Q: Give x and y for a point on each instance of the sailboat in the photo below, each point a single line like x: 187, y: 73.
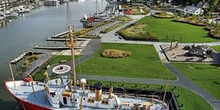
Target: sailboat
x: 97, y: 17
x: 63, y: 93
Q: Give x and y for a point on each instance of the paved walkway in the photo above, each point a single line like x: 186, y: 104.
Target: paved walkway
x: 181, y: 81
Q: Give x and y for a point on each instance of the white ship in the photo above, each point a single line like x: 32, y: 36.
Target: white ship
x: 60, y: 94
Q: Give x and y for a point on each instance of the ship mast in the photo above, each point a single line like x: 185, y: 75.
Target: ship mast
x: 12, y: 75
x: 164, y: 96
x: 72, y: 43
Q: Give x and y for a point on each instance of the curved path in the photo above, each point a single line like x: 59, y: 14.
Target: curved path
x: 181, y: 81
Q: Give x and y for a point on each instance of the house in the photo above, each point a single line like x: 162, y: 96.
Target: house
x: 193, y: 10
x: 6, y: 4
x: 203, y: 4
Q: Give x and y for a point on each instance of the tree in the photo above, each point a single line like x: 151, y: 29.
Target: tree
x: 213, y: 2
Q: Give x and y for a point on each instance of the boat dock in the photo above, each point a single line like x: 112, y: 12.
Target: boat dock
x: 21, y: 56
x: 65, y: 39
x: 60, y: 34
x: 55, y: 47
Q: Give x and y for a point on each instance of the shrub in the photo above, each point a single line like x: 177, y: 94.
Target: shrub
x: 114, y: 53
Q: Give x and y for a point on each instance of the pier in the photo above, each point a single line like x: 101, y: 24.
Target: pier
x: 59, y: 35
x: 22, y: 56
x: 55, y: 47
x: 65, y: 39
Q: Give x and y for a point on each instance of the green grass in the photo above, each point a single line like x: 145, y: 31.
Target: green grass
x: 58, y: 58
x: 189, y: 99
x: 122, y: 18
x: 205, y: 75
x: 143, y: 63
x: 55, y: 59
x: 216, y: 48
x: 167, y: 30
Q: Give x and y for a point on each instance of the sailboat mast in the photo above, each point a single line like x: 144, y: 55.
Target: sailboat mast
x: 72, y: 45
x: 164, y: 96
x: 96, y: 5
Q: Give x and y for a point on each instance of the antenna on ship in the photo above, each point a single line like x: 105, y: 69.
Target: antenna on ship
x: 47, y: 78
x: 72, y: 43
x: 12, y: 74
x: 32, y: 82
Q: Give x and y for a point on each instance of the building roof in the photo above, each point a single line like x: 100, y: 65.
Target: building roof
x: 191, y: 8
x: 203, y: 4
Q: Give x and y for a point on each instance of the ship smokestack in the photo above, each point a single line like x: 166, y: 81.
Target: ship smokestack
x: 147, y: 105
x: 110, y: 92
x: 83, y: 83
x: 137, y: 106
x: 98, y: 91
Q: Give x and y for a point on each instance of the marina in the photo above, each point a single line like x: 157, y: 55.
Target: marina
x: 42, y: 25
x: 63, y: 92
x: 63, y: 87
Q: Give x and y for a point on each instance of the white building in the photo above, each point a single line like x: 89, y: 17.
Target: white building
x: 193, y: 10
x: 203, y: 4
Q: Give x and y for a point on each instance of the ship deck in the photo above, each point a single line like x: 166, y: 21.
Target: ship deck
x: 38, y: 97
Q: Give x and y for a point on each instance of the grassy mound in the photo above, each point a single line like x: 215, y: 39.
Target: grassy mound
x: 163, y: 15
x: 115, y: 53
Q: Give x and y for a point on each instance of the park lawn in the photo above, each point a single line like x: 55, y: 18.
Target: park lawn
x: 187, y: 98
x: 216, y: 48
x: 168, y: 30
x: 190, y: 100
x: 143, y: 63
x: 58, y: 58
x: 39, y: 76
x: 205, y: 75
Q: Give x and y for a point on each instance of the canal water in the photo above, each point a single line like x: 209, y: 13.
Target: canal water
x: 21, y: 33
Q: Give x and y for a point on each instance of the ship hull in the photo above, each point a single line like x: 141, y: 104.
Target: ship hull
x: 29, y: 106
x: 25, y: 104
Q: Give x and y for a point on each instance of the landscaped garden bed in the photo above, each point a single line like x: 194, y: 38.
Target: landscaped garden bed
x: 163, y: 15
x: 113, y: 27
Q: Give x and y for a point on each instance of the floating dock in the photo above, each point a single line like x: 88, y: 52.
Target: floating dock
x: 60, y: 34
x: 55, y: 47
x: 64, y: 39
